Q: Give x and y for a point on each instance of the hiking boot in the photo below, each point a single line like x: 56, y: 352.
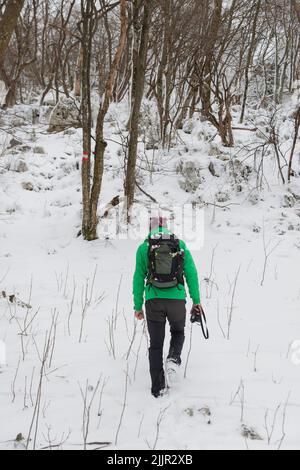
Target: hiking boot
x: 159, y: 387
x: 174, y: 356
x: 172, y: 371
x: 160, y: 393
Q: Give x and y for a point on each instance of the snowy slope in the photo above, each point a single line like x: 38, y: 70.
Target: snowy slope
x: 229, y: 382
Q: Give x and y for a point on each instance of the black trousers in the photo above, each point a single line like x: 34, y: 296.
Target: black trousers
x: 157, y: 312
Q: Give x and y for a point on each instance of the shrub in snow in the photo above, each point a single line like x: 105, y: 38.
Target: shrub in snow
x: 39, y: 150
x: 20, y: 438
x: 250, y: 433
x: 149, y: 126
x: 254, y: 198
x: 205, y: 411
x: 239, y: 171
x: 199, y: 200
x: 256, y: 228
x: 239, y: 174
x: 61, y: 203
x: 69, y: 132
x: 295, y: 98
x: 14, y: 162
x: 190, y: 176
x: 222, y: 196
x: 11, y: 298
x: 65, y: 114
x: 44, y: 114
x: 12, y: 207
x: 288, y: 201
x: 190, y: 412
x: 294, y: 189
x: 18, y: 116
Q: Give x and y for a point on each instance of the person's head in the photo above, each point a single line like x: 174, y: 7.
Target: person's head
x: 158, y: 222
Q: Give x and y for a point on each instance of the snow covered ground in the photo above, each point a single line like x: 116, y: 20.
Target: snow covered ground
x: 246, y: 375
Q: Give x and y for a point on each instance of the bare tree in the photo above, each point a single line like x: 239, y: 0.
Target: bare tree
x: 140, y: 48
x: 296, y: 7
x: 250, y: 58
x: 26, y: 38
x: 296, y: 117
x: 8, y: 22
x: 91, y: 193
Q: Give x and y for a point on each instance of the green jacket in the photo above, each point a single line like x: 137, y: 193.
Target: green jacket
x: 178, y: 292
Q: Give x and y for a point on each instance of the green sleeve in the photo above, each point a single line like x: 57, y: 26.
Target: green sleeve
x: 139, y: 277
x: 191, y: 275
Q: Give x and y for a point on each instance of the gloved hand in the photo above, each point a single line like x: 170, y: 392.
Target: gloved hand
x: 196, y: 313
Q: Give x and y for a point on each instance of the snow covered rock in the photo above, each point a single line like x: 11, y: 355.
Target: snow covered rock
x: 14, y: 143
x: 188, y: 126
x: 190, y: 176
x: 239, y: 171
x: 39, y: 150
x: 45, y: 114
x: 64, y: 115
x: 214, y: 150
x: 216, y: 169
x: 15, y: 163
x: 27, y: 186
x: 254, y: 198
x: 18, y: 116
x: 294, y: 189
x: 21, y: 167
x: 223, y: 157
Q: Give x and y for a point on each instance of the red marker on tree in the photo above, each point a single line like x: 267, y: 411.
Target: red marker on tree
x: 85, y: 157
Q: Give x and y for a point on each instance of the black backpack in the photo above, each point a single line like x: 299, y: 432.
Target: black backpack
x: 165, y: 261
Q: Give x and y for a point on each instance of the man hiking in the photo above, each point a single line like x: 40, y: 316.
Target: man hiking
x: 162, y: 263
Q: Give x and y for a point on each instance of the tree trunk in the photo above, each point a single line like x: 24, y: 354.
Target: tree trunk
x: 138, y: 82
x: 160, y: 92
x: 90, y: 232
x: 249, y: 60
x: 78, y: 73
x: 11, y: 95
x: 208, y: 65
x: 8, y: 23
x: 296, y: 7
x: 86, y: 45
x: 296, y: 133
